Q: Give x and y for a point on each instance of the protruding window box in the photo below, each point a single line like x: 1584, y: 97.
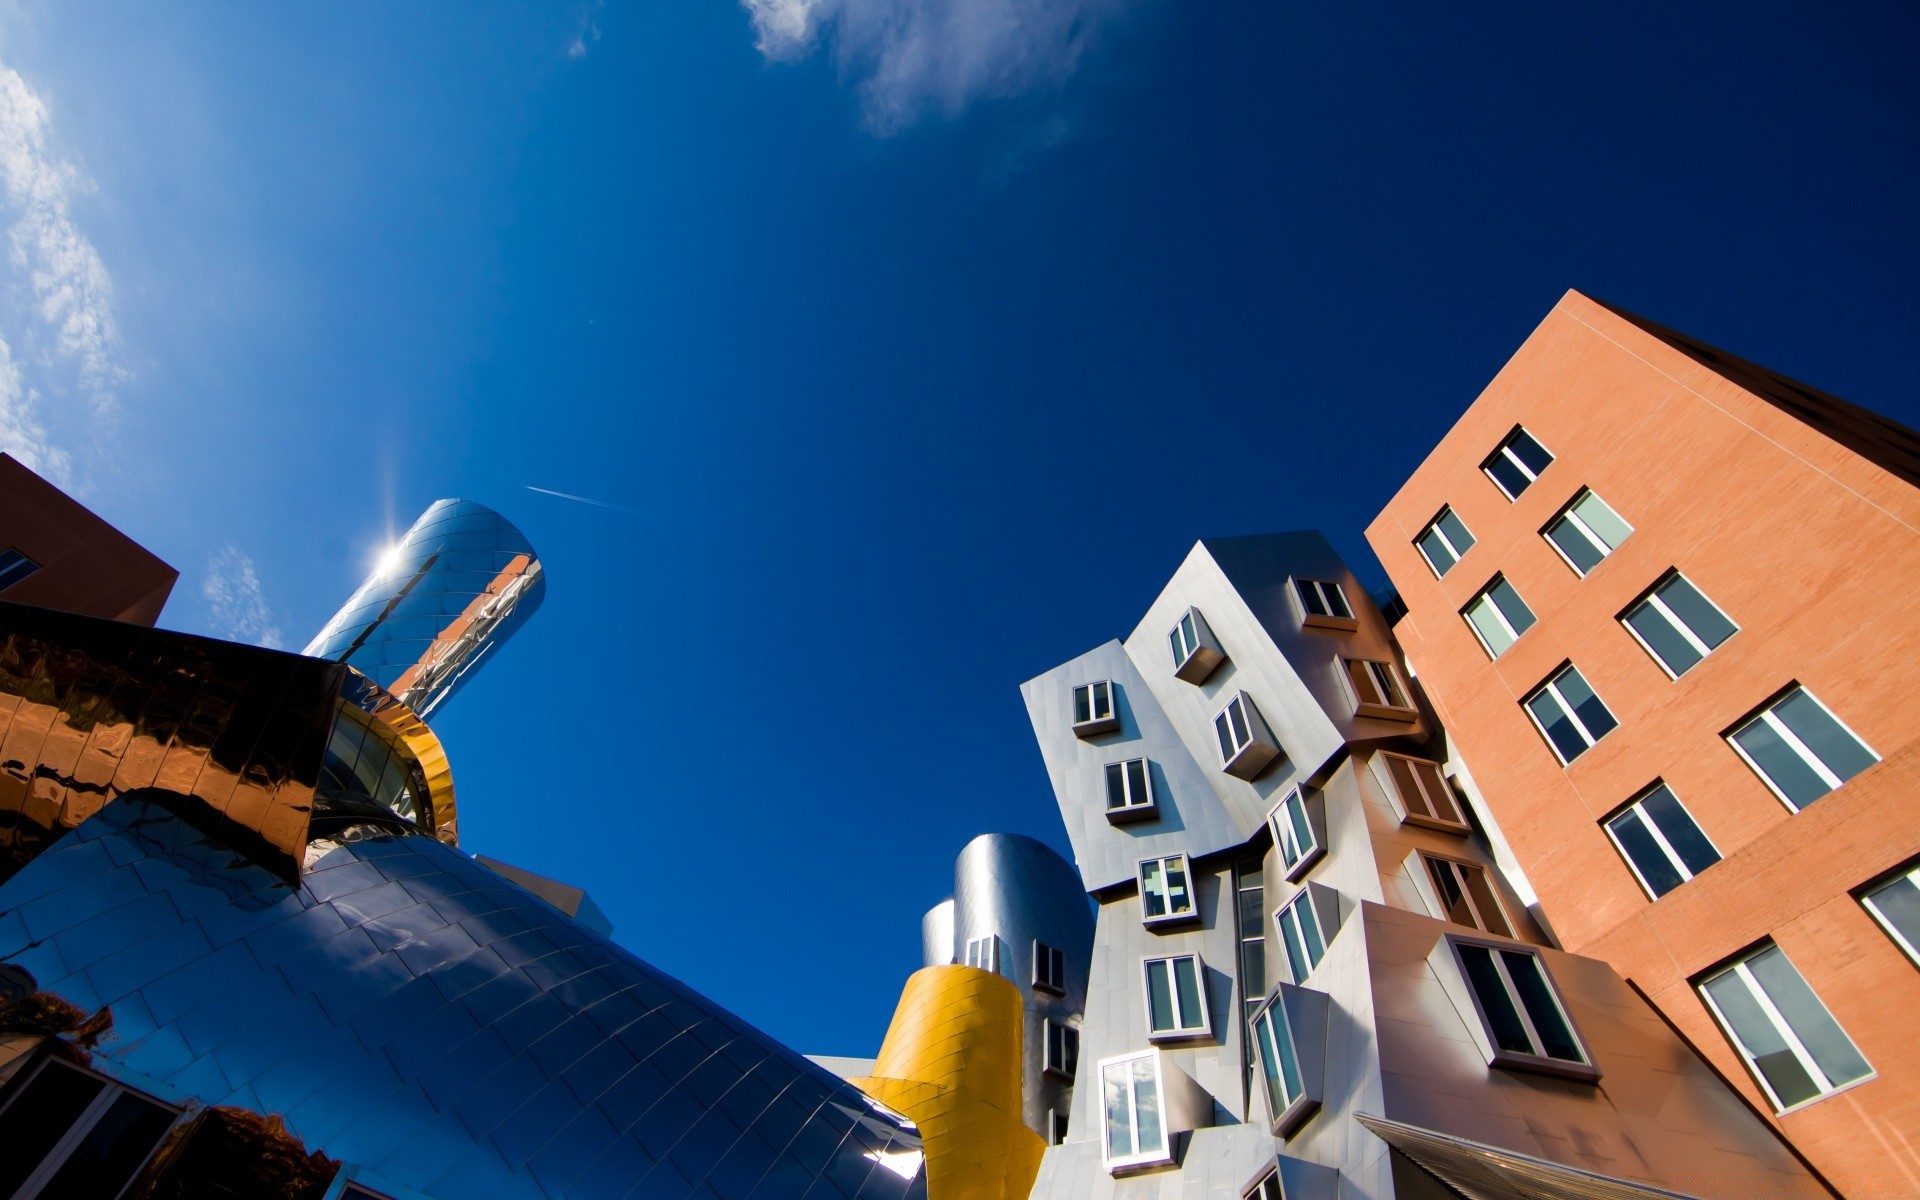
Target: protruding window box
x: 1130, y: 793
x: 1289, y: 1053
x: 1167, y: 897
x: 1094, y: 711
x: 1196, y: 652
x: 1148, y: 1102
x: 1322, y: 604
x: 1420, y: 793
x: 1522, y: 1023
x: 1299, y: 827
x: 1247, y: 746
x: 1176, y: 996
x: 1377, y: 690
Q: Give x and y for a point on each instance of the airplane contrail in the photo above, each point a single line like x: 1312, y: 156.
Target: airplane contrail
x: 580, y: 499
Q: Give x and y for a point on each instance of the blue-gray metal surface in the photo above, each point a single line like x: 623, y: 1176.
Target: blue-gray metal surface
x: 411, y: 1012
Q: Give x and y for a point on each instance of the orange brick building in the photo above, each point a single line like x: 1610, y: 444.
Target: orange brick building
x: 1663, y: 600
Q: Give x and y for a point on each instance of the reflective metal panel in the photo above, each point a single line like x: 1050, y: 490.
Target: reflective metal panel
x: 454, y: 588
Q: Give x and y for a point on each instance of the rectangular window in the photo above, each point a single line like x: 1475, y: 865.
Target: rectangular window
x: 1377, y: 690
x: 1246, y: 744
x: 1443, y: 542
x: 1131, y: 1097
x: 1661, y: 841
x: 1176, y: 997
x: 1166, y: 890
x: 1677, y: 625
x: 1093, y: 709
x: 15, y: 566
x: 1569, y: 715
x: 1586, y: 531
x: 1268, y: 1188
x: 1057, y: 1123
x: 1130, y: 787
x: 1195, y: 650
x: 1278, y: 1060
x: 1517, y: 463
x: 1498, y: 616
x: 1425, y: 799
x: 1250, y: 887
x: 1294, y: 836
x: 1789, y: 1040
x: 984, y: 952
x: 1896, y: 905
x: 1063, y: 1049
x: 1800, y: 749
x: 1185, y: 639
x: 69, y: 1132
x: 1301, y: 936
x: 1049, y: 967
x: 1466, y: 894
x: 1518, y: 1005
x: 1324, y: 603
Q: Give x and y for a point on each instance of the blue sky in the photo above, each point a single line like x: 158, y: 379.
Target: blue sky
x: 918, y: 340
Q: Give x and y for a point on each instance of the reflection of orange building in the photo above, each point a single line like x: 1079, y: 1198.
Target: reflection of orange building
x: 1738, y: 731
x: 56, y: 554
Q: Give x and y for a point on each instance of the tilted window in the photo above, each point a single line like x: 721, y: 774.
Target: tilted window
x: 1677, y: 625
x: 15, y: 566
x: 1568, y: 713
x: 1518, y: 1006
x: 1267, y: 1187
x: 1324, y: 603
x: 1444, y: 541
x: 1176, y: 997
x: 1129, y: 789
x: 1800, y: 749
x: 1049, y: 967
x: 69, y: 1132
x: 1465, y: 894
x: 1247, y: 746
x: 1421, y: 788
x: 1132, y: 1099
x: 1661, y: 841
x: 1278, y: 1059
x: 1093, y: 711
x: 1895, y: 903
x: 1585, y: 532
x: 1302, y: 937
x: 1498, y: 616
x: 1063, y: 1049
x: 1166, y: 890
x: 1789, y: 1040
x: 1195, y: 650
x: 1517, y: 463
x: 1377, y: 690
x: 1298, y: 832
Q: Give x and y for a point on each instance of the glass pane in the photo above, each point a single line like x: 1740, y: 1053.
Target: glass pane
x: 1593, y: 714
x: 1102, y: 699
x: 1898, y: 904
x: 1297, y: 963
x: 1530, y: 452
x: 1757, y: 1037
x: 1226, y: 737
x: 1511, y: 607
x: 1403, y: 782
x: 1488, y: 626
x: 1666, y: 642
x: 1456, y: 531
x: 1708, y: 623
x: 1151, y: 888
x: 1336, y: 600
x: 1253, y: 968
x: 1114, y: 1084
x: 1179, y: 899
x: 105, y: 1160
x: 1116, y: 786
x: 1452, y: 899
x: 1530, y: 980
x: 1583, y: 554
x: 1252, y: 900
x: 1676, y: 825
x: 1781, y: 764
x: 1237, y: 716
x: 1388, y: 684
x: 1438, y: 556
x: 1363, y: 684
x: 1610, y: 529
x: 40, y: 1116
x: 1137, y: 792
x: 1186, y: 976
x: 1082, y: 705
x: 1310, y: 599
x: 1480, y: 890
x: 1297, y: 818
x: 1630, y: 832
x: 1179, y: 648
x: 1146, y: 1107
x: 1809, y: 1019
x: 1566, y: 738
x: 1503, y: 1020
x: 1159, y: 998
x: 1310, y: 932
x: 1439, y: 795
x: 1508, y: 475
x: 1839, y: 750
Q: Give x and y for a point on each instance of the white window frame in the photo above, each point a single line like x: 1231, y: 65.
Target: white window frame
x: 1330, y: 596
x: 1185, y: 639
x: 1659, y: 836
x: 1267, y: 1187
x: 1505, y: 450
x: 1452, y: 820
x: 1583, y: 1067
x: 1485, y: 596
x: 1296, y: 858
x: 1651, y: 597
x: 1433, y: 526
x: 1286, y: 1111
x: 1183, y: 1028
x: 1134, y: 804
x: 1108, y: 719
x: 1236, y: 707
x: 1782, y: 1027
x: 984, y: 953
x: 1585, y: 530
x: 1793, y: 743
x: 1049, y: 968
x: 1059, y: 1124
x: 1301, y: 902
x: 82, y: 1124
x: 1910, y: 875
x: 1552, y: 686
x: 1170, y: 917
x: 1460, y: 866
x: 1140, y: 1156
x: 1059, y: 1055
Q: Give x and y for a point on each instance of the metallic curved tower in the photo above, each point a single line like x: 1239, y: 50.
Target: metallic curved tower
x: 456, y: 586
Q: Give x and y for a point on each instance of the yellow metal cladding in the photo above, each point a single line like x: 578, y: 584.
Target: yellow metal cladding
x: 952, y: 1062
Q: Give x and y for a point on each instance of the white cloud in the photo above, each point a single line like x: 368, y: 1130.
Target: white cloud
x: 588, y: 31
x: 21, y: 433
x: 236, y: 603
x: 916, y: 57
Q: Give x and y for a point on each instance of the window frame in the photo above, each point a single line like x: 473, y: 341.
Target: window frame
x: 1551, y: 684
x: 1455, y: 824
x: 60, y: 1153
x: 1139, y: 1157
x: 1427, y: 858
x: 991, y: 942
x: 1054, y: 977
x: 1267, y: 1187
x: 1283, y: 832
x: 1687, y: 874
x: 1170, y: 917
x: 1195, y: 663
x: 1909, y: 872
x: 1059, y: 1056
x: 1738, y: 965
x: 1686, y: 632
x: 1096, y: 723
x: 1501, y: 1057
x: 1283, y: 1118
x: 1793, y: 742
x: 1301, y: 901
x: 10, y: 569
x: 1566, y: 513
x: 1383, y: 710
x: 1182, y: 1031
x: 1338, y: 616
x: 1485, y: 596
x: 1133, y: 810
x: 1504, y: 449
x: 1252, y: 756
x: 1433, y: 526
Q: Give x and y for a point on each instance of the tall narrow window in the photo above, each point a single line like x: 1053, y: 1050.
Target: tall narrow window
x: 1195, y: 652
x: 1166, y: 890
x: 1466, y: 894
x: 69, y: 1132
x: 1677, y: 625
x: 1049, y: 967
x: 1063, y: 1049
x: 1279, y: 1061
x: 1093, y: 712
x: 1295, y: 838
x: 1250, y: 886
x: 15, y: 566
x: 1517, y: 463
x: 1176, y: 997
x: 1498, y: 616
x: 1895, y: 903
x: 1800, y: 749
x: 1444, y: 541
x: 1057, y: 1123
x: 1129, y: 788
x: 984, y: 952
x: 1247, y: 746
x: 1661, y: 841
x: 1518, y: 1005
x: 1425, y: 799
x: 1586, y: 531
x: 1324, y: 604
x: 1570, y: 716
x: 1301, y: 937
x: 1377, y: 690
x: 1130, y: 1094
x: 1789, y: 1040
